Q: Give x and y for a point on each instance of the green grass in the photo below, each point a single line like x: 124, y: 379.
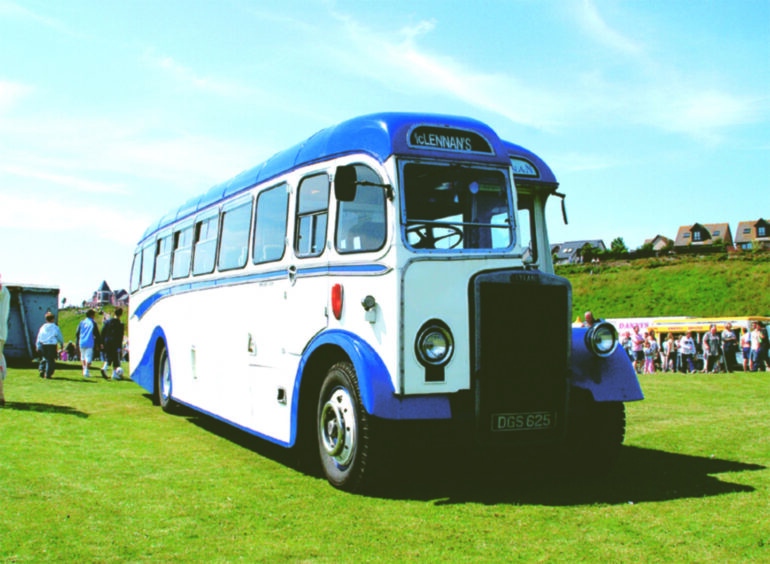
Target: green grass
x: 692, y: 286
x: 91, y: 471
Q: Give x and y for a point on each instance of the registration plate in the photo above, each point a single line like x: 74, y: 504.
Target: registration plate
x: 523, y: 421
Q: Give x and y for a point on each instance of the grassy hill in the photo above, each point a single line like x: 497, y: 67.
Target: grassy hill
x: 70, y: 317
x: 693, y: 286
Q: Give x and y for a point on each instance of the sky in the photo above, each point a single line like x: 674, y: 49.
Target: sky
x: 652, y: 114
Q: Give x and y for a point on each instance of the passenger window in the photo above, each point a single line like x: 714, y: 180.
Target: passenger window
x: 136, y: 272
x: 182, y: 252
x: 148, y: 261
x: 270, y: 224
x: 361, y: 222
x: 234, y: 246
x: 312, y: 216
x: 163, y: 260
x: 206, y: 232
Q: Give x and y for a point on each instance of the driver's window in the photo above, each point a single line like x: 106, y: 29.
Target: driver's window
x: 361, y: 223
x: 525, y: 233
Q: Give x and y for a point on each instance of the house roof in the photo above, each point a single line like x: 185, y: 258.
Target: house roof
x: 568, y: 249
x: 747, y: 231
x: 104, y: 287
x: 709, y: 232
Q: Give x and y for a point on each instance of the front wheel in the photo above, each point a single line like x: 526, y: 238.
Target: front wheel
x: 342, y: 429
x: 595, y: 436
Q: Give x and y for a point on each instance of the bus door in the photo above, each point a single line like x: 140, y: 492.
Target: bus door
x: 307, y: 284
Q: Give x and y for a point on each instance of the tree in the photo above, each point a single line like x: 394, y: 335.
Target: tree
x: 618, y: 246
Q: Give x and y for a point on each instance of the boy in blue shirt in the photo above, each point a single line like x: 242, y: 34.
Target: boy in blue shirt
x: 88, y: 339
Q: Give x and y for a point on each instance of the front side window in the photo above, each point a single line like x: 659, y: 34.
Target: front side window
x: 453, y: 207
x: 270, y: 224
x: 234, y: 246
x: 206, y: 231
x: 361, y: 222
x: 312, y: 216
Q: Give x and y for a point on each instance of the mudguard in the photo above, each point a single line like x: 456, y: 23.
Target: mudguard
x: 608, y: 379
x: 374, y: 383
x: 144, y: 372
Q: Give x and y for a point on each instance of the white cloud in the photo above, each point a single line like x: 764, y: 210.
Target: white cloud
x: 396, y: 60
x: 177, y: 71
x: 596, y: 28
x: 61, y: 216
x: 76, y: 183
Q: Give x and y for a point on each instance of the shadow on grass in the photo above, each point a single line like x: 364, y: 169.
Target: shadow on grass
x: 640, y: 475
x: 442, y: 477
x: 44, y: 408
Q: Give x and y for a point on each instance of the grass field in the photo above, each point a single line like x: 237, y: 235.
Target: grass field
x: 91, y: 471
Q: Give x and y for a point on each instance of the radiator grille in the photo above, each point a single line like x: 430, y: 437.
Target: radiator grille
x: 522, y: 338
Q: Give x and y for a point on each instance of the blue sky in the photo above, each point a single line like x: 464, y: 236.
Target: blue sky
x: 652, y: 114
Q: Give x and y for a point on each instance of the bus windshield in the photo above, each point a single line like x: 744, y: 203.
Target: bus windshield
x: 454, y: 207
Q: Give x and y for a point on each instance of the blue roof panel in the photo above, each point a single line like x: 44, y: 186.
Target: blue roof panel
x: 379, y: 135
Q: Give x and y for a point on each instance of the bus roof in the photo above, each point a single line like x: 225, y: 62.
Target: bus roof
x: 380, y: 136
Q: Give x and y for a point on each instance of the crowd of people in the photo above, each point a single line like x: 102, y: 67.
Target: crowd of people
x: 713, y: 352
x: 107, y: 343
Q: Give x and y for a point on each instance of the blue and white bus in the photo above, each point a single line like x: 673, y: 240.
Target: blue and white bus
x: 394, y: 267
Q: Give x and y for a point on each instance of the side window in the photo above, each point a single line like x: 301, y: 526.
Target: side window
x: 136, y: 272
x: 312, y: 216
x: 204, y: 255
x: 163, y: 260
x: 361, y: 223
x: 182, y: 252
x: 234, y: 245
x: 270, y: 224
x: 148, y: 262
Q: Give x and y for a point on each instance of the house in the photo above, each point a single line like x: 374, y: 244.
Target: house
x: 659, y: 242
x: 105, y: 296
x: 753, y: 233
x: 704, y: 234
x: 573, y: 252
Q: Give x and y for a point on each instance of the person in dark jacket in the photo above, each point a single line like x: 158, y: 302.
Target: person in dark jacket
x: 112, y: 338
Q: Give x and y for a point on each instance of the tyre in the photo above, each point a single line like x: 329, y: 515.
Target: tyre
x: 164, y: 383
x: 342, y: 429
x: 595, y: 435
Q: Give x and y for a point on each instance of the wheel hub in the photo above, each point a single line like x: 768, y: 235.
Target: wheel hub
x: 338, y: 427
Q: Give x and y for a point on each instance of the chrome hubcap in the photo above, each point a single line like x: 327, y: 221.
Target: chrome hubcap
x: 337, y: 426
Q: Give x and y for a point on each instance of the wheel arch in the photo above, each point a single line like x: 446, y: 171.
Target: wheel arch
x: 145, y: 372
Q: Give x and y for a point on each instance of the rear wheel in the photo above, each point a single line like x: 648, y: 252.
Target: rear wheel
x: 164, y: 383
x: 342, y: 429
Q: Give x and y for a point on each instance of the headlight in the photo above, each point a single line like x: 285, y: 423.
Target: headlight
x: 601, y: 339
x: 434, y: 344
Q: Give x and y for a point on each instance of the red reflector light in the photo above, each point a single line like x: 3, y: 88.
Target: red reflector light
x: 337, y: 301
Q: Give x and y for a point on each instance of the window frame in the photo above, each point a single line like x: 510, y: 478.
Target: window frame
x: 313, y: 215
x: 167, y: 235
x: 198, y: 244
x: 144, y: 281
x: 178, y: 230
x: 255, y: 223
x: 339, y: 214
x: 246, y: 201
